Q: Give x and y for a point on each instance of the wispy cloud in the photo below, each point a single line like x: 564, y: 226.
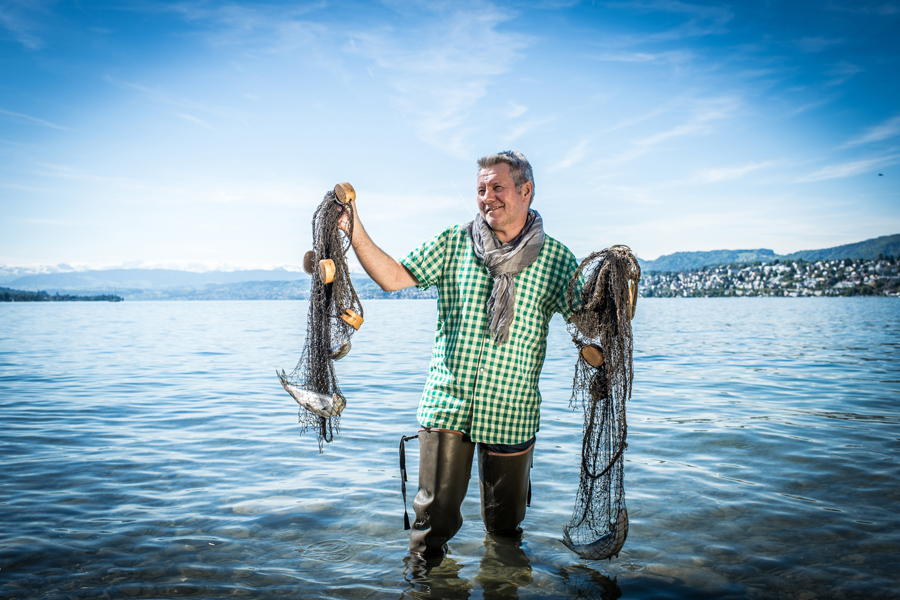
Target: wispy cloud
x: 441, y: 71
x: 675, y: 57
x: 23, y: 187
x: 704, y: 114
x: 634, y: 120
x: 702, y: 20
x: 728, y: 173
x: 72, y: 173
x: 816, y: 44
x: 520, y: 128
x: 163, y: 97
x: 147, y: 188
x: 883, y: 131
x: 554, y: 4
x: 19, y: 19
x: 572, y: 157
x: 810, y: 106
x: 516, y: 110
x: 30, y: 119
x: 842, y: 72
x: 196, y: 120
x: 265, y: 27
x: 849, y: 169
x: 881, y: 9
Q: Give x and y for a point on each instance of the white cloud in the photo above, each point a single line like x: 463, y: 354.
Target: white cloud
x: 701, y: 20
x: 699, y: 123
x: 635, y: 120
x: 572, y: 157
x: 19, y: 20
x: 196, y: 120
x: 815, y: 44
x: 521, y: 128
x: 676, y: 57
x: 883, y: 131
x: 878, y: 8
x: 270, y: 27
x: 516, y: 110
x: 163, y: 97
x: 810, y: 106
x: 148, y: 188
x: 849, y: 169
x: 30, y: 119
x: 442, y: 70
x: 728, y: 173
x: 842, y: 72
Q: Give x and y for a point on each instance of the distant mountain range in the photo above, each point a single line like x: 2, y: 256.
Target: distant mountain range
x: 287, y: 284
x: 144, y: 279
x: 887, y: 245
x: 173, y: 284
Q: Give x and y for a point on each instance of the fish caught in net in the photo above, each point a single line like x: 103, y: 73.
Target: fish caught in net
x: 335, y: 313
x: 602, y: 296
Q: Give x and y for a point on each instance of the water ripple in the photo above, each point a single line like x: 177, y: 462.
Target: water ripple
x: 148, y: 451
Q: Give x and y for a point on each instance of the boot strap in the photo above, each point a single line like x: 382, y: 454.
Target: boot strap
x: 403, y: 478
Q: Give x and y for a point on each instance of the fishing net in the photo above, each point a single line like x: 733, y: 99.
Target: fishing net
x: 335, y: 314
x: 603, y: 306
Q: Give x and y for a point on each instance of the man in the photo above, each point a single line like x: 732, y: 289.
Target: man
x: 500, y: 279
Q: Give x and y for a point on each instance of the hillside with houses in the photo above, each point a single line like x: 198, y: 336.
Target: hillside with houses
x: 792, y: 278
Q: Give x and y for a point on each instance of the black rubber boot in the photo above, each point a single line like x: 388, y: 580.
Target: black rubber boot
x: 445, y: 466
x: 504, y: 480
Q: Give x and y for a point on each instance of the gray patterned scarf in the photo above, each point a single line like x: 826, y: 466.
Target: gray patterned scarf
x: 503, y: 262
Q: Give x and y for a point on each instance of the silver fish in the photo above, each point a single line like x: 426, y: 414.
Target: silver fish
x: 318, y: 404
x: 607, y: 546
x: 339, y: 352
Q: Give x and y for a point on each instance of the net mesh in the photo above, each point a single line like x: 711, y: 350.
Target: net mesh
x: 600, y: 298
x: 327, y: 334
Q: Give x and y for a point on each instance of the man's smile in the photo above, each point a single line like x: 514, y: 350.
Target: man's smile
x: 503, y: 206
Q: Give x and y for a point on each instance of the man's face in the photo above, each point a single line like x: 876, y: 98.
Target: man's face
x: 504, y: 208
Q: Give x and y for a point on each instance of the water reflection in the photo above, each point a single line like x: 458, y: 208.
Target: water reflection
x: 504, y: 567
x: 504, y: 570
x: 434, y: 577
x: 584, y: 583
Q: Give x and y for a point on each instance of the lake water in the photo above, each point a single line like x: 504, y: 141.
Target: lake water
x: 149, y: 451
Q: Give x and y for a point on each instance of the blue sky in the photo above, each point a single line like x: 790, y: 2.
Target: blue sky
x: 205, y: 133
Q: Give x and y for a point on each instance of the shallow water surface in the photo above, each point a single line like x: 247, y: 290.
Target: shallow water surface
x: 148, y: 451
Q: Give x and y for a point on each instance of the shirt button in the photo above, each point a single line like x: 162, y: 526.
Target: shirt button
x: 481, y: 370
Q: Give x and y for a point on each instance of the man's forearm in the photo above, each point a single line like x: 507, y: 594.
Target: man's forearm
x: 385, y: 270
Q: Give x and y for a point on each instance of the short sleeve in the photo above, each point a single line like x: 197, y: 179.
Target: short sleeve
x: 427, y: 261
x: 568, y: 268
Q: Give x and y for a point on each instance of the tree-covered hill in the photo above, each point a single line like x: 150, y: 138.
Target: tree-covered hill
x: 886, y: 245
x: 873, y: 249
x: 687, y: 261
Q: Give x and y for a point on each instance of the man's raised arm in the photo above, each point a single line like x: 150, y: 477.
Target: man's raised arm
x: 385, y: 270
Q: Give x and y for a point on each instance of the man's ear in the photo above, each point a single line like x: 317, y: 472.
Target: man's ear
x: 528, y: 190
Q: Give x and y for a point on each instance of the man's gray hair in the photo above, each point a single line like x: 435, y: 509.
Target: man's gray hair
x: 519, y: 167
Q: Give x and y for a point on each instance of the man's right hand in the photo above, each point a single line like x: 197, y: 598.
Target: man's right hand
x: 344, y: 221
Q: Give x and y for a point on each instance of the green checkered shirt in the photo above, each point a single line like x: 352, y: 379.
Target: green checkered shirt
x: 474, y: 386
